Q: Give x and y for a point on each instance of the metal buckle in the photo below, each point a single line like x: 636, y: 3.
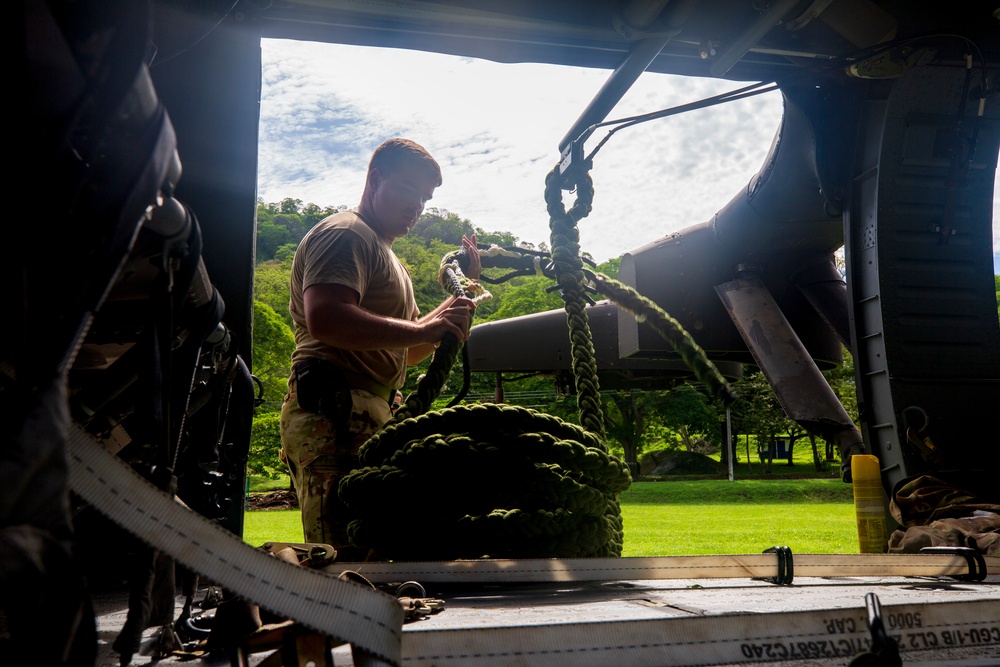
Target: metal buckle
x: 785, y: 568
x: 975, y: 560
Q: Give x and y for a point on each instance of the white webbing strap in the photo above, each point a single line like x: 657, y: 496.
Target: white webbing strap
x: 763, y: 566
x: 369, y: 620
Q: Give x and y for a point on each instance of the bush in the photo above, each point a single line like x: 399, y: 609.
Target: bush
x: 665, y: 462
x: 265, y: 441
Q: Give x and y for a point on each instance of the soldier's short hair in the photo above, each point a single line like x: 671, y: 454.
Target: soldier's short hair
x: 395, y: 152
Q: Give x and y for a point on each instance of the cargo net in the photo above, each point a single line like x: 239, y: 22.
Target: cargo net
x: 502, y: 481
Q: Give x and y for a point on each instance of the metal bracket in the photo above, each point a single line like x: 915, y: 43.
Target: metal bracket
x: 977, y: 564
x: 785, y: 569
x: 572, y: 164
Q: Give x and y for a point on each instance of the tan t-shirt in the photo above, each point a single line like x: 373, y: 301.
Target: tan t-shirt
x: 343, y: 250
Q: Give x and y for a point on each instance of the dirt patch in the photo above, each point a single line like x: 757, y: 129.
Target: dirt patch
x: 282, y: 499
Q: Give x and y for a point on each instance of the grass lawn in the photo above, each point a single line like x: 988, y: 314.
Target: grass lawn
x: 259, y: 483
x: 272, y: 526
x: 744, y: 516
x: 680, y: 518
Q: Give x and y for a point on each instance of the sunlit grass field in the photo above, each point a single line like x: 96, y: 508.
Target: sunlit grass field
x: 679, y: 518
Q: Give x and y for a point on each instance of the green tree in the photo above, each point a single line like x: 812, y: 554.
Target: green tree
x: 691, y: 415
x: 628, y: 416
x: 501, y: 239
x: 284, y: 224
x: 273, y: 343
x: 841, y: 379
x: 266, y: 208
x: 285, y: 253
x: 440, y: 225
x: 610, y: 267
x: 265, y: 441
x: 271, y: 286
x: 311, y: 213
x: 758, y: 413
x: 270, y: 236
x: 289, y: 205
x: 523, y: 296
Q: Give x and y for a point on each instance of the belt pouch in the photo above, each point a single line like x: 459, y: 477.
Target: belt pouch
x: 323, y: 388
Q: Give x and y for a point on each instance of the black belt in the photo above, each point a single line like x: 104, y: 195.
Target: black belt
x: 331, y: 377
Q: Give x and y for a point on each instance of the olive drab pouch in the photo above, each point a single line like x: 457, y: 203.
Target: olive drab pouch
x: 323, y: 388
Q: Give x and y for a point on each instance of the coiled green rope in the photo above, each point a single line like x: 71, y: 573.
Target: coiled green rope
x: 486, y: 480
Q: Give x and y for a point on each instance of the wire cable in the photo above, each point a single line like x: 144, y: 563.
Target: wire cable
x: 730, y: 96
x: 153, y: 62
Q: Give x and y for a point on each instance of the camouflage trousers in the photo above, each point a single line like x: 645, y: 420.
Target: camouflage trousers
x: 317, y: 461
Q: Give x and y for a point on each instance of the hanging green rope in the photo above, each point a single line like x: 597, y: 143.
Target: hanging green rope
x: 645, y: 310
x: 565, y: 241
x: 451, y: 277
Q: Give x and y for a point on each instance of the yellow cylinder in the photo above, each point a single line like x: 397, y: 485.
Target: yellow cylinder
x: 869, y: 504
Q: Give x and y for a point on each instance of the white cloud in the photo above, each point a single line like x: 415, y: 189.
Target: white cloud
x: 495, y: 129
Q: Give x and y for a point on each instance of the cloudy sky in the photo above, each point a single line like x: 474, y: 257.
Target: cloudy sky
x: 495, y: 129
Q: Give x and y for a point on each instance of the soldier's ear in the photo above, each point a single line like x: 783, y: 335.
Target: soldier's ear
x: 374, y: 178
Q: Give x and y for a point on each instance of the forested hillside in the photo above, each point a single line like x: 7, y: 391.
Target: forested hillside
x: 637, y: 421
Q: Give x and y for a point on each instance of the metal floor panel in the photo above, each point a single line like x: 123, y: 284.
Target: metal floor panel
x: 813, y: 622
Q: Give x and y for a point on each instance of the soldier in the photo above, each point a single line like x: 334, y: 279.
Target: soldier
x: 357, y: 327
